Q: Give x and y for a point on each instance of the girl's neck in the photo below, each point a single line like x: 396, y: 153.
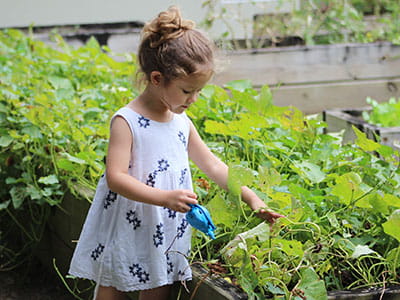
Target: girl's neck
x: 150, y: 106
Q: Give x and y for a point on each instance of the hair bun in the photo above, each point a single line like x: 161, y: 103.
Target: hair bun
x: 168, y: 25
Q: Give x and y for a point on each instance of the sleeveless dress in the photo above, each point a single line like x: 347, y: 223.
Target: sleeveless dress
x: 131, y: 245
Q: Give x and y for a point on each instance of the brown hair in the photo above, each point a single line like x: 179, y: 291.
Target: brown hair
x: 173, y: 47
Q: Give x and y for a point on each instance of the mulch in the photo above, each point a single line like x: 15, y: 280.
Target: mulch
x: 32, y: 282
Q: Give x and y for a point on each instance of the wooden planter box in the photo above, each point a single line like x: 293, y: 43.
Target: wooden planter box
x: 311, y: 78
x: 344, y: 119
x: 316, y: 78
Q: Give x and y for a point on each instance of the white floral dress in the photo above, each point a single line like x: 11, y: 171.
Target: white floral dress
x: 124, y: 242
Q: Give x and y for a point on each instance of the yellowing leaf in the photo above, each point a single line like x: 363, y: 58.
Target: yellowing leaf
x: 392, y: 225
x: 363, y: 142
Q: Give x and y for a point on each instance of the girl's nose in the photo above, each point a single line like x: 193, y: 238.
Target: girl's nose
x: 193, y: 98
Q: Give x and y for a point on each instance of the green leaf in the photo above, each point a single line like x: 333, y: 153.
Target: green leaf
x: 214, y: 127
x: 51, y: 179
x: 227, y: 214
x: 268, y: 177
x: 239, y: 85
x: 361, y: 250
x: 378, y: 203
x: 347, y: 187
x: 66, y: 164
x: 290, y: 247
x: 309, y: 171
x: 261, y: 232
x: 5, y: 140
x: 17, y: 196
x: 311, y: 285
x: 391, y: 200
x: 363, y: 142
x: 60, y: 83
x: 233, y: 251
x: 4, y: 205
x: 392, y: 225
x: 394, y: 257
x: 32, y: 131
x: 74, y: 159
x: 239, y: 176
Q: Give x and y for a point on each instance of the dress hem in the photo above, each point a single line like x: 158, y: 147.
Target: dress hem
x: 135, y: 288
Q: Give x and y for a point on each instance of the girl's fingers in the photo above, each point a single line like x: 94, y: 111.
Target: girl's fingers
x: 269, y: 215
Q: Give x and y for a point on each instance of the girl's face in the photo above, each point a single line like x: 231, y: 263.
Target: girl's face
x: 178, y: 94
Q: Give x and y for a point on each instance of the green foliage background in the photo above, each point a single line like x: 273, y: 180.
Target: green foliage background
x: 342, y: 202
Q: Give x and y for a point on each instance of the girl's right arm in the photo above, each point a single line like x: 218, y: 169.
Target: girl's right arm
x: 120, y: 182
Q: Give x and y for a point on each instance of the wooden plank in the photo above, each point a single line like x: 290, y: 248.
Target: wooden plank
x: 314, y: 98
x: 311, y: 64
x: 339, y: 119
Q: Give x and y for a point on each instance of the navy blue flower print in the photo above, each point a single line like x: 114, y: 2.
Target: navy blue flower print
x: 97, y: 251
x: 110, y: 198
x: 182, y: 178
x: 158, y: 237
x: 163, y: 165
x: 181, y: 272
x: 182, y: 138
x: 181, y: 229
x: 171, y: 213
x: 143, y: 122
x: 143, y: 277
x: 138, y: 272
x: 133, y: 219
x: 170, y: 266
x: 151, y: 179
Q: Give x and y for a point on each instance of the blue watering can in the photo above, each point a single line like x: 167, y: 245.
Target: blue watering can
x: 200, y: 218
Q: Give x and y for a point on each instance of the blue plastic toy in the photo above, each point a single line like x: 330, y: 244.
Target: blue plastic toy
x: 200, y: 218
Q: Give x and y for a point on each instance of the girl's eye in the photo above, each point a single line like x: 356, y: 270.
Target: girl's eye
x: 186, y: 92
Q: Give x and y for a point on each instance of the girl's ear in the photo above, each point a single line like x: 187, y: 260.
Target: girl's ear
x: 156, y: 78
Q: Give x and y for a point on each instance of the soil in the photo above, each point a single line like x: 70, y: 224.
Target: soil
x: 33, y: 283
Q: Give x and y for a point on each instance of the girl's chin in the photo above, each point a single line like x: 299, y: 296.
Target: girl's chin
x: 179, y: 109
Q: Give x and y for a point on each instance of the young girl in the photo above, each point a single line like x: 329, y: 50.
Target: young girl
x: 136, y: 236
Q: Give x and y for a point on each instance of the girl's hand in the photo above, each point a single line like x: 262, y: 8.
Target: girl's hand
x: 179, y: 200
x: 268, y: 215
x: 261, y: 211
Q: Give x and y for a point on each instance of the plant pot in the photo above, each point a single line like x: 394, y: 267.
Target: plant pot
x: 344, y: 119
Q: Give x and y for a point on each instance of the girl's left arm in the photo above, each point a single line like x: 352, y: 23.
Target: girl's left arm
x: 217, y: 171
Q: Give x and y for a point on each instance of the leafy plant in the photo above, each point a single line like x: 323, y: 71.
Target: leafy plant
x: 384, y: 114
x: 340, y: 201
x: 304, y: 22
x: 54, y: 112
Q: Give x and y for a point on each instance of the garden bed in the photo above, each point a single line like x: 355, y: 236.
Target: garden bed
x: 341, y: 201
x: 320, y: 77
x: 344, y: 119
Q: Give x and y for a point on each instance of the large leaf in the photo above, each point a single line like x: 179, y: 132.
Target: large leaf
x: 392, y: 225
x: 348, y: 187
x: 226, y: 213
x: 239, y: 176
x: 361, y: 250
x: 239, y: 85
x: 312, y: 286
x: 17, y: 196
x: 363, y: 142
x: 233, y: 251
x: 309, y: 171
